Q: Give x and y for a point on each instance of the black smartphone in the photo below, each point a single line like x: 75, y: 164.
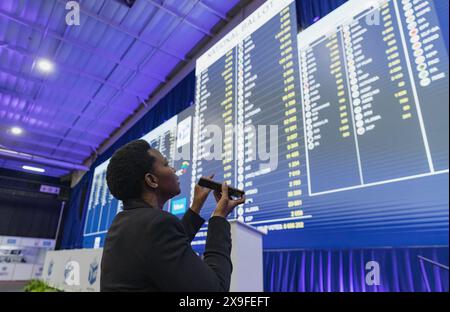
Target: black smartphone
x: 216, y: 186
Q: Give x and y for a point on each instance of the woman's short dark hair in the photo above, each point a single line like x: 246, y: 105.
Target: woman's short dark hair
x: 127, y: 168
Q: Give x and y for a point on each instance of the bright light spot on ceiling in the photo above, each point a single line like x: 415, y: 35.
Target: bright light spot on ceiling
x: 16, y: 130
x: 35, y: 169
x: 44, y: 65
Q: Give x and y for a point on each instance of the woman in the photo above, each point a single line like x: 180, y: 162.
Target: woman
x: 147, y: 248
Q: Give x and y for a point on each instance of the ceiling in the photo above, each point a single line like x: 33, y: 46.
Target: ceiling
x: 103, y: 70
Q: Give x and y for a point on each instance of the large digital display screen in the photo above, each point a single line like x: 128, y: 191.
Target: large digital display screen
x: 337, y: 134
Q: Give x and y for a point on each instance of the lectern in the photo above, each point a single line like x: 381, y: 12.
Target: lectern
x: 247, y: 257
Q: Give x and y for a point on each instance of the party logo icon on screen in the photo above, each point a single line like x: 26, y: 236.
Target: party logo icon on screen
x: 93, y: 269
x: 178, y: 206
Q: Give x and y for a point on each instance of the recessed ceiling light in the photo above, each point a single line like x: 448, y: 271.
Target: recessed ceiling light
x: 44, y: 65
x: 16, y: 130
x: 31, y: 168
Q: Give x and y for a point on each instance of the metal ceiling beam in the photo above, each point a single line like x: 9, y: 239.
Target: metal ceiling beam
x: 180, y: 21
x: 73, y: 70
x: 101, y: 149
x: 99, y: 88
x: 150, y: 55
x: 41, y: 144
x: 101, y: 53
x: 176, y: 14
x: 214, y: 11
x: 81, y: 73
x: 76, y: 129
x: 24, y: 114
x: 37, y: 131
x: 118, y: 27
x: 81, y: 131
x: 182, y: 72
x: 63, y: 127
x: 75, y: 42
x: 60, y: 44
x: 12, y: 154
x: 34, y: 115
x: 53, y: 105
x: 59, y: 87
x: 34, y: 152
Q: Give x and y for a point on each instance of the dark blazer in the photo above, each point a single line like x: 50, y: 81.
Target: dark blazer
x: 148, y: 249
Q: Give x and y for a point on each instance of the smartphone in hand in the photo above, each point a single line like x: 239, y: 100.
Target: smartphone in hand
x: 216, y: 186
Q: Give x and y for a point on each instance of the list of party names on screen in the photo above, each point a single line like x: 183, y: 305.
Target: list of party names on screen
x: 375, y: 96
x: 255, y: 82
x: 102, y: 208
x: 214, y: 106
x: 165, y: 144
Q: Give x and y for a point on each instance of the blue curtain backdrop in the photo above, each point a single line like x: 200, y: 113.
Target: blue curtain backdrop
x: 345, y: 270
x: 301, y: 270
x: 73, y: 224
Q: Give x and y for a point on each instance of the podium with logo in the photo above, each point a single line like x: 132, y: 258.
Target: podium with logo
x: 73, y: 270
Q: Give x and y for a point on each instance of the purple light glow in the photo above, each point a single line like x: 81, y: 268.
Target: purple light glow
x: 61, y: 120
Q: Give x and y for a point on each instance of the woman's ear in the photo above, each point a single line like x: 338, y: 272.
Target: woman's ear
x: 151, y: 180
